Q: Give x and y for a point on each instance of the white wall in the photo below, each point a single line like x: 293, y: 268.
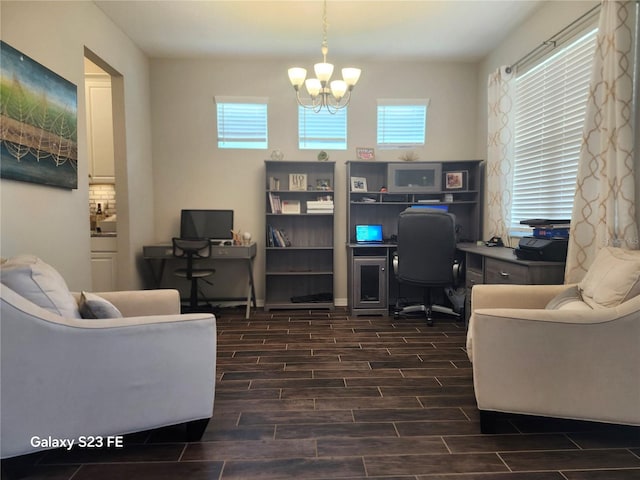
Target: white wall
x: 191, y: 172
x: 54, y: 223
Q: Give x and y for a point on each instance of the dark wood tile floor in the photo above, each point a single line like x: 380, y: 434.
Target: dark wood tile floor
x: 318, y: 395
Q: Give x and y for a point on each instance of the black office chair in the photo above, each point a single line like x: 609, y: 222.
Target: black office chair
x: 191, y: 250
x: 426, y: 258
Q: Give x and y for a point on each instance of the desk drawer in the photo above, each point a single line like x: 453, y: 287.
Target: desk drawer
x: 473, y: 277
x: 498, y: 271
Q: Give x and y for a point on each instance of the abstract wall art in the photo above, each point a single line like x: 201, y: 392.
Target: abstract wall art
x: 38, y: 122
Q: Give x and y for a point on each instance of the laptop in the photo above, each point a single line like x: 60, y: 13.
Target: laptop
x: 368, y: 234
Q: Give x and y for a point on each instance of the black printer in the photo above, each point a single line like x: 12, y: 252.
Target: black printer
x: 549, y: 242
x: 548, y: 249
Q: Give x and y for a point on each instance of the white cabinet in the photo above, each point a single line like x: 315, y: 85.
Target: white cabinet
x: 104, y: 260
x: 100, y: 129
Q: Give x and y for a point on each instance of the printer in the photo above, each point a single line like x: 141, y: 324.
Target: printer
x: 548, y: 249
x: 549, y: 241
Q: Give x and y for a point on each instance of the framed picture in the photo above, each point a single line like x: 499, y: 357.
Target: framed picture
x: 290, y: 207
x: 39, y: 134
x: 298, y: 182
x: 323, y: 184
x: 358, y: 184
x: 455, y: 180
x: 365, y: 153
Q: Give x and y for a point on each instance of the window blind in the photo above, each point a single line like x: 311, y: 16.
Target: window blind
x: 242, y: 122
x: 551, y: 101
x: 401, y: 122
x: 322, y: 130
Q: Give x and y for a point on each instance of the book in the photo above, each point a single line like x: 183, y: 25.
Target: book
x: 320, y: 206
x: 274, y: 203
x: 274, y: 183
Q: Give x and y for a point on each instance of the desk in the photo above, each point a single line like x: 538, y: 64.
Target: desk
x: 500, y: 265
x: 371, y: 295
x: 157, y: 255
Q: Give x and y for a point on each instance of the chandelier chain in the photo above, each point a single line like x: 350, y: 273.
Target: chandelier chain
x: 325, y: 25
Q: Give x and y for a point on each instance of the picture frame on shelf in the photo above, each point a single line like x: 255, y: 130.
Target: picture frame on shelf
x: 290, y: 207
x: 323, y: 184
x: 457, y: 180
x: 359, y: 184
x: 365, y: 153
x: 297, y: 182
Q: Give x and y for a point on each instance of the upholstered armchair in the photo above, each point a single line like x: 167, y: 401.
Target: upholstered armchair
x: 63, y: 376
x: 567, y: 351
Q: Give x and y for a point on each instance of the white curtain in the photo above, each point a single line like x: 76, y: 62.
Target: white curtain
x: 604, y: 207
x: 500, y: 153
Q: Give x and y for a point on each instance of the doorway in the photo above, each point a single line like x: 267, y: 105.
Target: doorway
x: 102, y: 146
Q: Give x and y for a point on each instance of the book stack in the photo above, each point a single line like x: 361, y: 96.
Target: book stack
x: 322, y: 205
x: 276, y: 237
x: 274, y: 203
x: 274, y: 183
x: 547, y: 228
x: 551, y: 231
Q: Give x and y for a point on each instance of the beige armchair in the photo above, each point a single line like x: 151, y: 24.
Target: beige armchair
x: 64, y: 377
x: 543, y: 350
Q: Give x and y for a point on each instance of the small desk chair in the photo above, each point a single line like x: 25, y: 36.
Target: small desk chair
x: 193, y: 249
x: 426, y: 257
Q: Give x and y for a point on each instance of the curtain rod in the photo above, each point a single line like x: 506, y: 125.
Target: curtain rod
x: 553, y: 41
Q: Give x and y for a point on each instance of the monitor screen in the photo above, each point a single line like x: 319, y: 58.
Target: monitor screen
x: 211, y: 224
x: 369, y: 233
x: 444, y: 208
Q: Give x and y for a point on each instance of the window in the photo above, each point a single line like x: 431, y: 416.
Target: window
x: 242, y: 122
x: 322, y: 130
x: 551, y: 101
x: 401, y: 123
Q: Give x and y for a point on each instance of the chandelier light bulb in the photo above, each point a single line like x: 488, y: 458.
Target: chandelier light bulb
x: 297, y: 76
x: 351, y: 75
x: 323, y: 72
x: 314, y: 87
x: 338, y: 89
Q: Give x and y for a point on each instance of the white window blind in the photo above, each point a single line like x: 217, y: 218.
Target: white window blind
x: 551, y: 101
x: 242, y: 122
x: 322, y: 130
x: 401, y: 122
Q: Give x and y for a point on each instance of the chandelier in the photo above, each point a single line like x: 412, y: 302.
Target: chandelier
x: 333, y: 95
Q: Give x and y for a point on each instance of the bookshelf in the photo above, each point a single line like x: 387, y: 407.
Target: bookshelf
x: 299, y: 230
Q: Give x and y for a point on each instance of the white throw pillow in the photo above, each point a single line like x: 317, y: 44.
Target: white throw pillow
x: 612, y: 278
x: 39, y: 283
x: 94, y: 306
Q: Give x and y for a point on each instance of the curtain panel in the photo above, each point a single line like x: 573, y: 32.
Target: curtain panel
x: 500, y: 143
x: 604, y: 206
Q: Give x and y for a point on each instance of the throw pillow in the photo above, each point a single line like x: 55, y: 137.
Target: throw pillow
x: 569, y: 299
x: 94, y: 306
x: 39, y: 283
x: 612, y: 278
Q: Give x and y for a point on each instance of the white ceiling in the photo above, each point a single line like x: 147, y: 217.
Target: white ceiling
x: 463, y: 30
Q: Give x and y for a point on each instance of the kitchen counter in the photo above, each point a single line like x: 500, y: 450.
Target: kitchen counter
x: 104, y: 234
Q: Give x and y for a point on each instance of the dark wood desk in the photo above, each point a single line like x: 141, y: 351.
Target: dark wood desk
x: 500, y: 265
x: 157, y: 255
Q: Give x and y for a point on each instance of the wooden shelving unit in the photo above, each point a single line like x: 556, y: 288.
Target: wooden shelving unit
x: 379, y: 206
x: 300, y: 274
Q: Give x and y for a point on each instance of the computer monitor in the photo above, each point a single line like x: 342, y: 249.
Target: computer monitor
x: 211, y: 224
x: 444, y: 208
